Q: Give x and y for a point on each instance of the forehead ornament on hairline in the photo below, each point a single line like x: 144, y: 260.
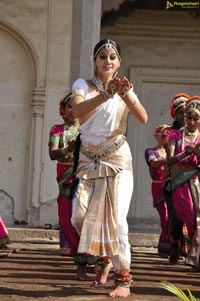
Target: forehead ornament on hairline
x: 108, y: 46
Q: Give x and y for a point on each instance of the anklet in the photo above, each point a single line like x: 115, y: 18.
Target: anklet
x: 123, y: 280
x: 104, y: 261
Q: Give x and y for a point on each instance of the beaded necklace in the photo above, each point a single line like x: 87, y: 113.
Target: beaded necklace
x: 98, y: 84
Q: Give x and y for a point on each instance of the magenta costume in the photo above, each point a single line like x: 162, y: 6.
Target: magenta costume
x: 4, y: 239
x: 182, y: 196
x: 157, y: 175
x: 185, y: 196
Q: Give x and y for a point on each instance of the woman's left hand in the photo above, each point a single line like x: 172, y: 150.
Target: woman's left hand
x: 125, y: 86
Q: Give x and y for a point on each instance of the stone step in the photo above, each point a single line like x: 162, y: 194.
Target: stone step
x: 37, y: 235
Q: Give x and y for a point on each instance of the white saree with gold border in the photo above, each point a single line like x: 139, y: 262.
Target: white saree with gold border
x: 99, y: 208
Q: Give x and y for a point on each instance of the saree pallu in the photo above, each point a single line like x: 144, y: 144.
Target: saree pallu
x: 179, y: 231
x: 96, y: 209
x: 4, y: 239
x: 65, y: 178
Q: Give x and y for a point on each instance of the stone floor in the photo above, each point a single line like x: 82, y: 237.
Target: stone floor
x: 34, y: 271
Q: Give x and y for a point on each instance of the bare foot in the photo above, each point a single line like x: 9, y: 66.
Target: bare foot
x: 65, y: 252
x: 102, y: 275
x: 121, y: 292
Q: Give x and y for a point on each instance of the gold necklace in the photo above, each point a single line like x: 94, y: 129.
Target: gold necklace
x: 191, y: 134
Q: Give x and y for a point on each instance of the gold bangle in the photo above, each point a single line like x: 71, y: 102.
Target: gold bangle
x: 132, y: 105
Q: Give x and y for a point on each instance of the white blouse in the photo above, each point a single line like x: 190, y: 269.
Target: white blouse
x: 110, y: 118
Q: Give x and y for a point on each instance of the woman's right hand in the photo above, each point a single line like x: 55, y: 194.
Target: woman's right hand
x: 125, y: 86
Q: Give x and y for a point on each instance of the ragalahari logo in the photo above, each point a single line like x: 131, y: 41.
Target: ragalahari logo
x: 182, y: 4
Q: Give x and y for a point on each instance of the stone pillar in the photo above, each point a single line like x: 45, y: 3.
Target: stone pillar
x: 35, y: 161
x: 85, y: 34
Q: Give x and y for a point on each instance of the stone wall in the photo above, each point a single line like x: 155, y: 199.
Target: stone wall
x: 35, y: 48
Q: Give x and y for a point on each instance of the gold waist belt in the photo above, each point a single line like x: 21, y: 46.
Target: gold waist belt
x: 96, y: 156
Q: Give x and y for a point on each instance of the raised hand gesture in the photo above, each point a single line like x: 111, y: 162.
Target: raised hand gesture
x: 125, y: 86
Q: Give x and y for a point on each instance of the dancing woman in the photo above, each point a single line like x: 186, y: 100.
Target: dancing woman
x: 105, y: 164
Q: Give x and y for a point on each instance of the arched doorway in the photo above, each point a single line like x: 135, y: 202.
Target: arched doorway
x: 16, y: 81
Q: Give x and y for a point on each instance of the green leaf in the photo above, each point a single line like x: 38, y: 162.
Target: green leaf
x: 177, y: 291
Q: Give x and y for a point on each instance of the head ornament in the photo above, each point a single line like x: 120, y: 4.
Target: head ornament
x: 193, y: 105
x: 162, y: 129
x: 108, y: 45
x: 179, y: 100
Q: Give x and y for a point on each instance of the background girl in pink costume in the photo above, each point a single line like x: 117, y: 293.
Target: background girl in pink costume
x: 183, y: 161
x: 156, y: 160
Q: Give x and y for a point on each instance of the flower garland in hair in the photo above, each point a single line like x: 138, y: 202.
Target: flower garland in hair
x: 182, y: 101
